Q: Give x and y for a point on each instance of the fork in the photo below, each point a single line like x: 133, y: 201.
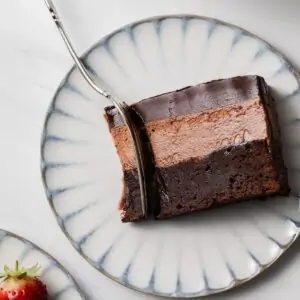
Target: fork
x: 121, y: 106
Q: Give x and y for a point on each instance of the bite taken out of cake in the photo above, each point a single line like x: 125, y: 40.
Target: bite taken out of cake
x: 209, y: 144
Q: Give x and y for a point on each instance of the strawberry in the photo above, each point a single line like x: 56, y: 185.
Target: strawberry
x: 22, y: 284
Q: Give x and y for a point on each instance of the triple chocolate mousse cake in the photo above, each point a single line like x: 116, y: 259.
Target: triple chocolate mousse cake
x: 205, y: 145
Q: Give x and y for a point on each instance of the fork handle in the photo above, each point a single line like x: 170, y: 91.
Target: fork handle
x: 122, y: 107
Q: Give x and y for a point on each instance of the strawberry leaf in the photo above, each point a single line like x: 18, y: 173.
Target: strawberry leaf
x: 18, y: 272
x: 32, y: 271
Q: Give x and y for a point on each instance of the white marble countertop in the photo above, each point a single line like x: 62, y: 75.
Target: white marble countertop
x: 33, y: 60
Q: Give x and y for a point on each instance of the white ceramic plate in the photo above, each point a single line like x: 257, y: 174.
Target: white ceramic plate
x: 193, y: 255
x: 60, y: 284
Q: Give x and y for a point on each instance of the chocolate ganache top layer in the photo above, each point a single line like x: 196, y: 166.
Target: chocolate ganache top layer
x: 201, y: 97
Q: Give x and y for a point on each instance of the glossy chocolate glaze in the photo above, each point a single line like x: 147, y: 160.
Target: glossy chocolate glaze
x: 193, y: 99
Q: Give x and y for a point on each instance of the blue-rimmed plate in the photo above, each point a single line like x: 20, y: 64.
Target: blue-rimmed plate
x: 60, y: 284
x: 193, y: 255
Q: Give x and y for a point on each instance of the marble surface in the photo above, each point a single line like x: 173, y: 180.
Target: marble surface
x: 33, y: 60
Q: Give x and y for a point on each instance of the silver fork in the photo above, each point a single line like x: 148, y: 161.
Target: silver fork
x: 121, y: 106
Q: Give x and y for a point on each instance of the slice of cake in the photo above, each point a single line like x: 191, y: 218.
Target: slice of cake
x: 206, y: 145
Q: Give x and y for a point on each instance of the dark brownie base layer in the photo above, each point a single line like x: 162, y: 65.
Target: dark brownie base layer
x: 227, y: 170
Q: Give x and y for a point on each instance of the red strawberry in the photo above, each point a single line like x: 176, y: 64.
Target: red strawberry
x: 22, y: 284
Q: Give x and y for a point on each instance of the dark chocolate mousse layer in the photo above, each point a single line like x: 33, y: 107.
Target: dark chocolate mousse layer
x: 208, y: 144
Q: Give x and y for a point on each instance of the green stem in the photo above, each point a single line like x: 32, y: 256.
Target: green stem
x: 17, y: 266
